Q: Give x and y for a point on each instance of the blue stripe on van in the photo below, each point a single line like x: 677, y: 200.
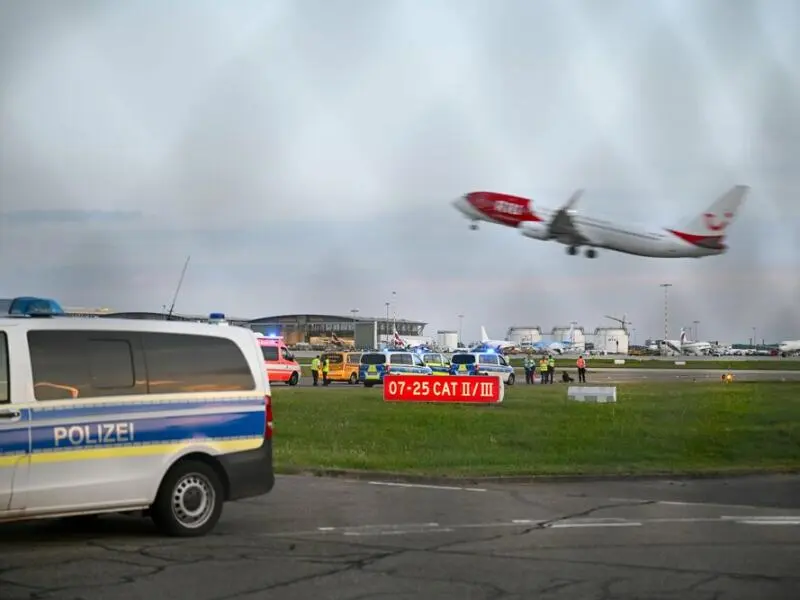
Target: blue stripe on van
x: 14, y: 439
x: 152, y: 429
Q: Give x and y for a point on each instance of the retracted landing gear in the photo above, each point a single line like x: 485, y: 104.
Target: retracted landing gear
x: 473, y: 226
x: 572, y: 250
x: 591, y: 253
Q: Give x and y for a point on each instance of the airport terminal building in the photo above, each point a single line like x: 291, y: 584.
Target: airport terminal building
x: 314, y: 329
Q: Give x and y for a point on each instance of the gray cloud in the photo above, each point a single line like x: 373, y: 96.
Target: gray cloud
x: 305, y: 155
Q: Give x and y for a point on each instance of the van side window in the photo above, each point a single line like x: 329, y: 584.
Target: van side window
x: 111, y: 364
x: 5, y: 380
x: 180, y: 363
x: 82, y: 364
x: 270, y: 352
x: 401, y: 359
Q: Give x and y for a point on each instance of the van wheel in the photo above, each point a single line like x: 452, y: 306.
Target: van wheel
x: 189, y: 501
x: 511, y: 379
x: 293, y: 379
x: 368, y: 384
x: 353, y: 379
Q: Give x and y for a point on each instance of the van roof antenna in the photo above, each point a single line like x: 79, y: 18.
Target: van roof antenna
x: 178, y: 289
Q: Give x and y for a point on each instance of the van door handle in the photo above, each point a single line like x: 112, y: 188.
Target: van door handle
x: 10, y: 415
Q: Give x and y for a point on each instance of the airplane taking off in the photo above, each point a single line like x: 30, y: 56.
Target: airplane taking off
x: 703, y: 235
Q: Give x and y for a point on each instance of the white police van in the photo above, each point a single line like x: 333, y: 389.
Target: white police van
x: 102, y: 415
x: 482, y: 363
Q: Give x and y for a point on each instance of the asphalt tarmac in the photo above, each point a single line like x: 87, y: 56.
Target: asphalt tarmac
x: 319, y: 539
x: 614, y: 375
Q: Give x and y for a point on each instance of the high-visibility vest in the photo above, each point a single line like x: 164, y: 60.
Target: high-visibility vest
x: 315, y: 364
x: 326, y: 365
x: 543, y: 365
x: 551, y: 363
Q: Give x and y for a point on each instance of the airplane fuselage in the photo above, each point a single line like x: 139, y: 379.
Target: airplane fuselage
x: 596, y: 233
x: 704, y: 237
x: 628, y: 239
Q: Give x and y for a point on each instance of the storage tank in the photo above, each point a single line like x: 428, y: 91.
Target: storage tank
x: 446, y: 339
x: 611, y: 340
x: 524, y: 334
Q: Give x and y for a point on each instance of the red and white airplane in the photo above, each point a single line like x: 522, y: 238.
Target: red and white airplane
x: 704, y: 235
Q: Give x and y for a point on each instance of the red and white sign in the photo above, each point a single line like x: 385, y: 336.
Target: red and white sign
x: 472, y: 389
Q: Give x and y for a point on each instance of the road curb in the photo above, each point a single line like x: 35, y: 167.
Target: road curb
x: 384, y: 476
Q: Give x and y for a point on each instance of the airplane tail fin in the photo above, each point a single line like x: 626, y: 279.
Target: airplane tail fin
x: 484, y: 337
x: 713, y: 221
x: 684, y: 339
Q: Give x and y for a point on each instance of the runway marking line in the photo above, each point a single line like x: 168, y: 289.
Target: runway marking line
x: 587, y: 525
x: 432, y: 527
x: 764, y: 520
x: 424, y: 486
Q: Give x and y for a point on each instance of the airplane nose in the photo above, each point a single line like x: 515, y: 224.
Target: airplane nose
x: 461, y: 203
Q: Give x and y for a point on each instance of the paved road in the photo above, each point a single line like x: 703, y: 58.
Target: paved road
x: 319, y: 539
x: 613, y: 375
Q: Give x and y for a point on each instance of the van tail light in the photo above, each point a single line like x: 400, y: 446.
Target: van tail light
x: 268, y: 417
x: 386, y: 369
x: 477, y: 367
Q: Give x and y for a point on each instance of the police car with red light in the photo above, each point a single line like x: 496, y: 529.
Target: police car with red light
x: 100, y: 415
x: 487, y: 362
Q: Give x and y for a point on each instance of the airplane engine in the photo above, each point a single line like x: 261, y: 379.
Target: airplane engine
x: 535, y: 230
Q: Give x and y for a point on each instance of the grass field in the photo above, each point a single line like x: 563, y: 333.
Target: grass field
x: 653, y: 428
x: 777, y: 364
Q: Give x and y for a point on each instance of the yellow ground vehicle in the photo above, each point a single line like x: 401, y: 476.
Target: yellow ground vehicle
x: 344, y: 366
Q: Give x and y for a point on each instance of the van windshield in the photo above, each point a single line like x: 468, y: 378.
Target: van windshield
x: 270, y: 352
x: 334, y: 358
x: 373, y: 359
x: 463, y: 359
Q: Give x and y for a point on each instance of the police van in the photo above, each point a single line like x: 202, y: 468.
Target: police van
x: 374, y: 365
x: 161, y: 418
x: 482, y: 363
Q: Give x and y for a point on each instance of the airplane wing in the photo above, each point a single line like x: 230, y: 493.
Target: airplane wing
x: 562, y: 227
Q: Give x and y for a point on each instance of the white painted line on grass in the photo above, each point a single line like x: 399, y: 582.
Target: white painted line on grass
x: 423, y: 486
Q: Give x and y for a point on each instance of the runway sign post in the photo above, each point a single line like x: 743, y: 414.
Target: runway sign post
x: 467, y: 389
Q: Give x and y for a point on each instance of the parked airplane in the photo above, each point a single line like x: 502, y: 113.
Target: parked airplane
x: 400, y: 342
x: 567, y: 346
x: 685, y: 346
x: 789, y: 347
x: 703, y: 235
x: 497, y: 345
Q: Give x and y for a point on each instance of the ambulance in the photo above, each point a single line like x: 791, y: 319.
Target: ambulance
x: 279, y: 361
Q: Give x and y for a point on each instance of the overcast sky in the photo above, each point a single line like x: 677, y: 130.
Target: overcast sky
x: 305, y: 154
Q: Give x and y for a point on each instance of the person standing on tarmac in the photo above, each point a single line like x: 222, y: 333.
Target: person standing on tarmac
x: 527, y: 364
x: 315, y: 369
x: 581, y: 364
x: 326, y: 367
x: 543, y: 369
x: 551, y: 368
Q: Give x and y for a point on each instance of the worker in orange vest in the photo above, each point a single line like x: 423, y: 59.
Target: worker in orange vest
x: 581, y: 369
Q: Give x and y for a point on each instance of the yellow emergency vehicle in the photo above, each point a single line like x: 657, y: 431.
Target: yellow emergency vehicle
x: 343, y: 366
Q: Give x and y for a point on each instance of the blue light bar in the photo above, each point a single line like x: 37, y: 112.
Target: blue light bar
x: 32, y: 306
x: 217, y: 316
